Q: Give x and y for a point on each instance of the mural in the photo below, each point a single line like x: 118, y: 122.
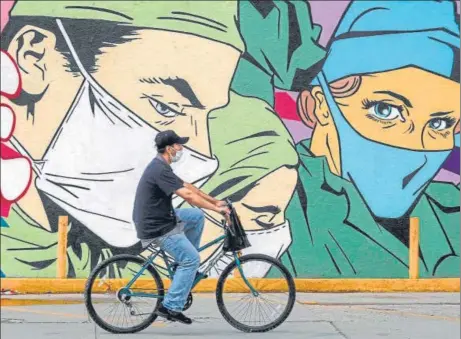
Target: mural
x: 328, y: 124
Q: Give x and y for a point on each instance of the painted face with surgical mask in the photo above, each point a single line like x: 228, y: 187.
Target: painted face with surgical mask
x: 383, y: 135
x: 115, y: 143
x: 385, y: 106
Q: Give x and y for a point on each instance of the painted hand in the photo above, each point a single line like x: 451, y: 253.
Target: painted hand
x: 15, y: 169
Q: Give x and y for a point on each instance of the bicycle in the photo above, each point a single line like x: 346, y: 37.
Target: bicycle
x: 234, y: 280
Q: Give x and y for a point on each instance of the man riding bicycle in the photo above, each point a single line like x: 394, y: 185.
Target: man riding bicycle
x: 176, y: 231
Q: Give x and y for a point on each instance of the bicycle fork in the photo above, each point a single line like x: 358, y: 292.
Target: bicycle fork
x: 242, y: 274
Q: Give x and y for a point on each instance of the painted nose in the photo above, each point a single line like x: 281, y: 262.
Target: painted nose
x: 407, y: 179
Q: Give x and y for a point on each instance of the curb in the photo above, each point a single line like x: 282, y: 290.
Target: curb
x: 71, y: 286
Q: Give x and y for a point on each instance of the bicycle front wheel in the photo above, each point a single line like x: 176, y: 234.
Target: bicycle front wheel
x: 118, y: 309
x: 252, y: 304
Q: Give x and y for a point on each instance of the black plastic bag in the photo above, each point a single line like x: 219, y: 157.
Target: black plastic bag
x: 236, y: 238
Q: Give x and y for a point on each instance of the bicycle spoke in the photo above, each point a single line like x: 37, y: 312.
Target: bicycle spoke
x: 260, y: 312
x: 264, y: 313
x: 111, y: 308
x: 240, y: 305
x: 115, y: 313
x: 268, y: 309
x: 246, y: 310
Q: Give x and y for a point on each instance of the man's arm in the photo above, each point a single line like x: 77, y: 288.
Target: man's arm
x: 203, y: 194
x: 170, y: 183
x: 193, y: 197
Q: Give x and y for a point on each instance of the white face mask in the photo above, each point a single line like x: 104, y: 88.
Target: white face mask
x: 273, y: 242
x: 93, y: 165
x: 177, y: 156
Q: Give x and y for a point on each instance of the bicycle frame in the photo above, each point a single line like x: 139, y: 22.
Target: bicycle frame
x: 169, y: 271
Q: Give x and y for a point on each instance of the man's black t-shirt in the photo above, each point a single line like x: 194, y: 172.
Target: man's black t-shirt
x: 153, y: 212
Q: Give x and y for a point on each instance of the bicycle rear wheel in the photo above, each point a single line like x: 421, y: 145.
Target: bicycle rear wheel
x: 262, y: 309
x: 112, y: 306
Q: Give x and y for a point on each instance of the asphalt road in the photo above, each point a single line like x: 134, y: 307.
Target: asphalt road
x: 326, y: 316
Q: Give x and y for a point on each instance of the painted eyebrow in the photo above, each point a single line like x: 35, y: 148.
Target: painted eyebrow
x: 269, y: 209
x: 183, y: 88
x: 440, y: 114
x: 397, y: 96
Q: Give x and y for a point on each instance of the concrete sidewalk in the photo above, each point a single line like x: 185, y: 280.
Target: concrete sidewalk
x: 354, y: 316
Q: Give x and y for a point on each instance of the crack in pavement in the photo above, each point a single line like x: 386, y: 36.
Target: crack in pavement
x: 337, y: 329
x: 11, y: 321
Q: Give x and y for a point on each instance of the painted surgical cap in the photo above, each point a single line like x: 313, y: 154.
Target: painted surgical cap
x: 214, y: 20
x: 377, y: 36
x: 281, y: 47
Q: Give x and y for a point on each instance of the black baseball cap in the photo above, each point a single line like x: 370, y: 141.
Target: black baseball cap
x: 169, y: 138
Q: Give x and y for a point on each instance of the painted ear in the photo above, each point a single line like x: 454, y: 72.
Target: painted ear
x: 306, y: 107
x: 31, y: 48
x: 320, y: 112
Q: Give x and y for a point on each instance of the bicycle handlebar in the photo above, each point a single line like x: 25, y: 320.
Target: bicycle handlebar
x: 229, y: 202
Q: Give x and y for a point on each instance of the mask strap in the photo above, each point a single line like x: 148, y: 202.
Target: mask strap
x: 326, y: 89
x: 74, y: 54
x: 335, y: 111
x: 21, y: 150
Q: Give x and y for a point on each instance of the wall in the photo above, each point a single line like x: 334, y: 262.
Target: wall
x: 326, y: 188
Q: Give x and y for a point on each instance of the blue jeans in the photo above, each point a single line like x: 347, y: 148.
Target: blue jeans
x: 183, y: 248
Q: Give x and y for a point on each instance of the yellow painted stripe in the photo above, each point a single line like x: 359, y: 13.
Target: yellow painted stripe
x: 36, y: 302
x: 413, y: 270
x: 57, y: 286
x: 378, y: 285
x: 61, y: 255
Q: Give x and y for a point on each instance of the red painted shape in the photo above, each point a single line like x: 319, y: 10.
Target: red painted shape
x: 7, y: 153
x: 285, y: 106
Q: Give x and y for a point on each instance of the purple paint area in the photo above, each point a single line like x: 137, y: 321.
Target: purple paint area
x: 447, y: 176
x: 327, y: 14
x: 452, y: 163
x: 293, y: 95
x: 298, y: 130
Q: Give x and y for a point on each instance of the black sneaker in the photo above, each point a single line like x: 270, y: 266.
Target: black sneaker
x: 173, y: 316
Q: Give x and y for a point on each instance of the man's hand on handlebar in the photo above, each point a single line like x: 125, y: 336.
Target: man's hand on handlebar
x: 221, y: 203
x: 225, y: 212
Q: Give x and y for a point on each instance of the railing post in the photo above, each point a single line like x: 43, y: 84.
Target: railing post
x: 61, y: 261
x: 414, y: 248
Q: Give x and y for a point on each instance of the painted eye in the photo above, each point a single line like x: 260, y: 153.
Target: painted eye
x: 384, y: 111
x: 263, y: 224
x: 440, y: 124
x: 162, y: 109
